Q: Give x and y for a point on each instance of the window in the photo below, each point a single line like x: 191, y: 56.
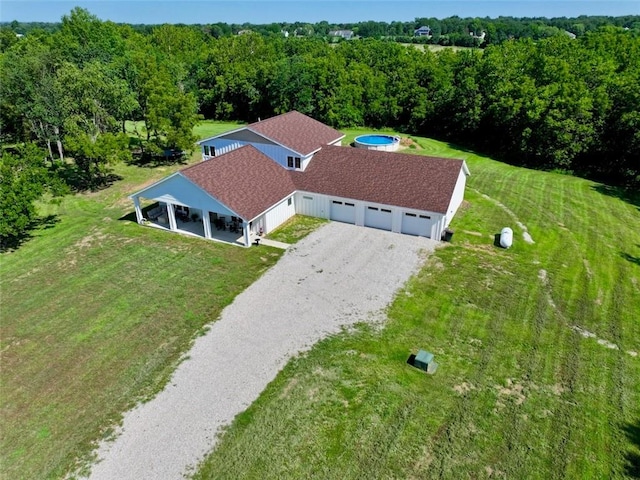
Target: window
x: 307, y: 198
x: 293, y: 162
x: 182, y: 212
x: 350, y: 204
x: 206, y: 150
x: 337, y: 202
x: 425, y: 216
x: 289, y: 201
x: 410, y: 214
x: 385, y: 210
x: 213, y: 151
x: 373, y: 208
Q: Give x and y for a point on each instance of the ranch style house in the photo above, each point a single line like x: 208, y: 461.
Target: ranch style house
x: 256, y: 177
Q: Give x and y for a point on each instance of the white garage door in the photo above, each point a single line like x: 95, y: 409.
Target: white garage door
x: 415, y: 224
x: 377, y: 217
x: 343, y: 211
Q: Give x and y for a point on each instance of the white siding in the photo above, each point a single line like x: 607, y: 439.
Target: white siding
x: 319, y: 205
x: 438, y: 228
x: 457, y: 197
x: 312, y: 204
x: 279, y: 214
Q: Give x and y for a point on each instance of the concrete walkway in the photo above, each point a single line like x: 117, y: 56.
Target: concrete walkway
x: 338, y: 275
x: 274, y: 243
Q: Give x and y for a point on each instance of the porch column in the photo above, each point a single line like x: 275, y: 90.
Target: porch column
x: 173, y: 225
x: 136, y: 204
x: 207, y: 224
x: 245, y: 229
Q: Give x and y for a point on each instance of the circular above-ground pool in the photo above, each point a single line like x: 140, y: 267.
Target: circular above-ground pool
x: 387, y: 143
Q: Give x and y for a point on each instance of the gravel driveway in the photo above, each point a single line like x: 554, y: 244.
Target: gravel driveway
x: 338, y: 275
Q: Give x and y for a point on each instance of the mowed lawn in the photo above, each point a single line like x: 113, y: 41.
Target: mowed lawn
x: 539, y: 376
x: 96, y: 312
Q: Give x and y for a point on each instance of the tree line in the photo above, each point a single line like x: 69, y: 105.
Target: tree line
x: 92, y: 93
x: 453, y: 30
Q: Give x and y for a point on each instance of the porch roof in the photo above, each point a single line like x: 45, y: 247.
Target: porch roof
x: 180, y: 190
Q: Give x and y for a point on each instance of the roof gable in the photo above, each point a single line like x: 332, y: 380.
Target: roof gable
x: 247, y: 136
x: 177, y: 189
x: 400, y: 179
x: 245, y: 180
x: 296, y: 131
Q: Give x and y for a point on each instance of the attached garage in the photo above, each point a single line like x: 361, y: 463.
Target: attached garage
x: 378, y: 217
x: 255, y: 181
x: 417, y: 224
x: 342, y: 211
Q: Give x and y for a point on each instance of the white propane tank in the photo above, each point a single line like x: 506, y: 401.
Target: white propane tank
x: 506, y: 237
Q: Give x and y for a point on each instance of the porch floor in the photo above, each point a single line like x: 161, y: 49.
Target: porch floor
x: 196, y: 229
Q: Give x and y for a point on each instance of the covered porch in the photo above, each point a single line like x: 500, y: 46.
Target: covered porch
x: 199, y: 222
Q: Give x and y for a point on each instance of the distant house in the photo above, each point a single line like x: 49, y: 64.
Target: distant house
x: 423, y: 31
x: 346, y: 34
x: 569, y: 34
x: 254, y: 178
x: 304, y: 31
x: 480, y: 37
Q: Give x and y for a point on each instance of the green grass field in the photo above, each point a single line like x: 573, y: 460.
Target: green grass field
x: 296, y: 228
x: 204, y: 129
x: 97, y: 311
x: 519, y: 393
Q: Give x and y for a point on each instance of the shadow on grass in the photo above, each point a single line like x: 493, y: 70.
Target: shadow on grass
x: 131, y: 216
x: 13, y: 242
x: 630, y: 258
x: 496, y: 240
x: 633, y: 457
x: 78, y: 181
x: 625, y: 194
x: 152, y: 161
x: 412, y: 360
x: 462, y: 148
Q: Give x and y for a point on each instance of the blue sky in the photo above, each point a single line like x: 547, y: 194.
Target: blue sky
x: 334, y: 11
